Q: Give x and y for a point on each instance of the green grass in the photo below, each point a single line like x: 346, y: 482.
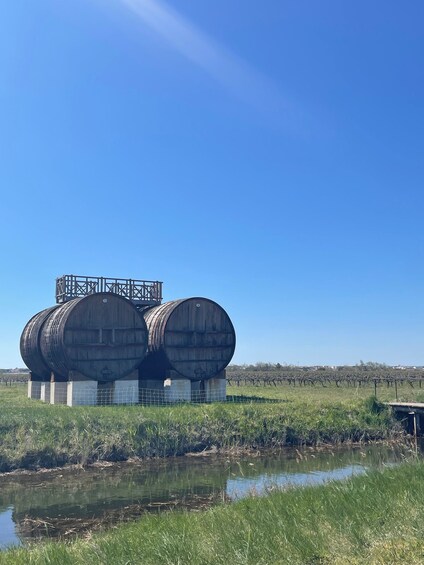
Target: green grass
x: 35, y: 435
x: 375, y: 519
x: 332, y: 393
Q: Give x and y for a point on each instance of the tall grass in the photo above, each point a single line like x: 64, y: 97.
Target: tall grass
x: 36, y: 435
x: 375, y: 519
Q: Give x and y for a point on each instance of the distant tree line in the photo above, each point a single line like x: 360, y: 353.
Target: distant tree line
x: 363, y: 373
x: 13, y: 376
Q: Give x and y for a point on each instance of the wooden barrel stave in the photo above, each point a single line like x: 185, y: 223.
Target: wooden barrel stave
x: 30, y: 344
x: 193, y: 336
x: 102, y: 336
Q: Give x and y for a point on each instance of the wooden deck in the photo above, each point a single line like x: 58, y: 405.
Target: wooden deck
x: 407, y: 406
x: 412, y: 414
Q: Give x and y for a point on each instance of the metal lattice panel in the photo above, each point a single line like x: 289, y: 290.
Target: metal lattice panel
x: 141, y: 293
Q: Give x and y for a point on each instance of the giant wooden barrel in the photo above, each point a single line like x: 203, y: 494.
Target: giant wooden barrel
x: 30, y: 344
x: 103, y: 336
x: 193, y: 336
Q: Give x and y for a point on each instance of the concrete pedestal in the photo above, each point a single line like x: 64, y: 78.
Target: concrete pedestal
x: 34, y: 390
x: 81, y: 392
x: 177, y: 390
x: 126, y: 391
x: 58, y: 392
x: 45, y: 391
x: 216, y: 390
x: 174, y: 389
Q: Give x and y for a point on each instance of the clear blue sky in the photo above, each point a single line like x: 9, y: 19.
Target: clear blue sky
x: 267, y: 155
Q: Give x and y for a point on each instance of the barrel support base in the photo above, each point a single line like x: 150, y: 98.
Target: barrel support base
x: 216, y: 388
x: 81, y: 391
x: 34, y: 389
x: 45, y: 391
x: 58, y: 392
x: 176, y: 389
x: 125, y: 390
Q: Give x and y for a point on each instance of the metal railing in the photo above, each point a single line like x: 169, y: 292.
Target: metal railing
x: 140, y: 292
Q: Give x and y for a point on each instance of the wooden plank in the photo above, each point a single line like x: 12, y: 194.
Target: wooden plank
x: 407, y: 404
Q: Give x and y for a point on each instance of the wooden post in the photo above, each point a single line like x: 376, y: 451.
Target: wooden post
x: 414, y: 415
x: 396, y: 393
x: 375, y: 388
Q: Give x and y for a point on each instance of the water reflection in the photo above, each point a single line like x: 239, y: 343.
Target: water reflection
x: 63, y: 504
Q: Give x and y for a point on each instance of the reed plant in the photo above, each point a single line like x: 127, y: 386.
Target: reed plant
x: 34, y: 434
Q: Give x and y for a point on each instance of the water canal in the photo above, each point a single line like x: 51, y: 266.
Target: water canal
x: 66, y: 503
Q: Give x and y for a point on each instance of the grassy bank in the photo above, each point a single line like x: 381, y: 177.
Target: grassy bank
x: 375, y: 519
x: 36, y: 435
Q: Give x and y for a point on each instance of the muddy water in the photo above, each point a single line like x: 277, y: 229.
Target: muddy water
x: 63, y: 504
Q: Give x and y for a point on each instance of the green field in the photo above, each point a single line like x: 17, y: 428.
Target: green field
x: 374, y: 519
x: 36, y: 435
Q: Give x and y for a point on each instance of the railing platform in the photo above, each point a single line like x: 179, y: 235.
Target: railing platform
x: 140, y: 292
